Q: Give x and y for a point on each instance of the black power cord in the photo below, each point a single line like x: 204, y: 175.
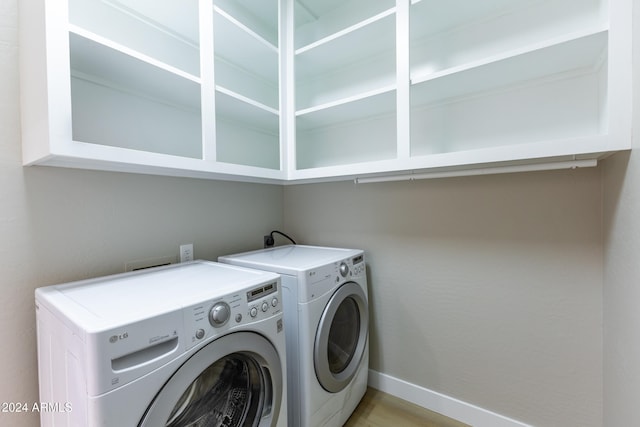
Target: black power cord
x: 269, y: 241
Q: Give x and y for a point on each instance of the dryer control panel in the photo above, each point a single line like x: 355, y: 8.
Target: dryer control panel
x: 324, y: 279
x: 215, y: 317
x: 351, y: 267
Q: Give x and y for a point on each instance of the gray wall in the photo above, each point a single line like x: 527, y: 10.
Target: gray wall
x: 622, y: 291
x: 622, y: 274
x: 487, y: 289
x: 58, y: 225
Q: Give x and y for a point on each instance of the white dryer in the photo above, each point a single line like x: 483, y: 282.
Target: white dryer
x: 326, y: 324
x: 185, y: 345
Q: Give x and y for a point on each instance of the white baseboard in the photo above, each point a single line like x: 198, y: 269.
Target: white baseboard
x: 440, y: 403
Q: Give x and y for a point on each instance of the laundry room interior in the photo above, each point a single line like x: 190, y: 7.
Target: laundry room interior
x: 498, y: 299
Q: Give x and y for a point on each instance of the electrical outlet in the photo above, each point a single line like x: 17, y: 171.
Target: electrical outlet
x: 186, y: 252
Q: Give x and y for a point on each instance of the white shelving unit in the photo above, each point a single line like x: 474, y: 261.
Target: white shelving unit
x: 153, y: 86
x: 304, y: 90
x: 497, y: 82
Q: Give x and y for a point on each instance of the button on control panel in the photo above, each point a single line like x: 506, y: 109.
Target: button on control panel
x: 358, y: 269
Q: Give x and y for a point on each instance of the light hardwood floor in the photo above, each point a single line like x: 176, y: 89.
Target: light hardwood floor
x: 378, y: 409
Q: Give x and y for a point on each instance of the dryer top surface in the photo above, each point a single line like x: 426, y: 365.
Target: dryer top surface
x: 290, y: 259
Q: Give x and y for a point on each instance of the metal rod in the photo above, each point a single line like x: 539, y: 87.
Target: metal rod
x: 573, y: 164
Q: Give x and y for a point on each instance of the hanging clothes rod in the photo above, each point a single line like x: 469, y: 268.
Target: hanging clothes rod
x: 572, y: 164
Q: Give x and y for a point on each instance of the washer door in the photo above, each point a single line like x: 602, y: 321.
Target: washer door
x: 235, y: 380
x: 341, y: 337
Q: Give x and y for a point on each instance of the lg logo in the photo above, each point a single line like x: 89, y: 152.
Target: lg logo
x: 114, y: 338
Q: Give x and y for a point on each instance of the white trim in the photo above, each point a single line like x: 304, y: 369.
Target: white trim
x: 440, y: 403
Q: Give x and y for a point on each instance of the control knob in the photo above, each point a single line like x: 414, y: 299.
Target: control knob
x: 344, y: 269
x: 219, y: 314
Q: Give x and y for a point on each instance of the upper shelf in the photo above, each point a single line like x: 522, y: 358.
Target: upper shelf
x: 165, y: 30
x: 261, y: 17
x: 448, y: 34
x: 257, y: 56
x: 429, y: 17
x: 252, y: 71
x: 366, y: 39
x: 373, y: 104
x: 122, y: 69
x: 239, y: 109
x: 319, y: 19
x: 582, y: 52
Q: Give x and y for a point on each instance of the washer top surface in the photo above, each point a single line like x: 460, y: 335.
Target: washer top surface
x: 291, y: 258
x: 132, y: 296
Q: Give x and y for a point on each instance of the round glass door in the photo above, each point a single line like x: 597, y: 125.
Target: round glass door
x: 227, y: 393
x: 341, y: 337
x: 235, y: 381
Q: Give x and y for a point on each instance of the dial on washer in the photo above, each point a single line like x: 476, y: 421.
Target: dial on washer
x: 219, y: 314
x: 344, y: 269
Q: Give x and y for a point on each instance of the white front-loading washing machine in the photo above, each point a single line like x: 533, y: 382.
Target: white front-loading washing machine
x: 326, y: 320
x: 195, y: 344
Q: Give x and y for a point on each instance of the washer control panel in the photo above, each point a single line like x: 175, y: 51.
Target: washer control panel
x: 210, y: 318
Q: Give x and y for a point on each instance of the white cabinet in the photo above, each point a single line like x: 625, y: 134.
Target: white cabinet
x: 187, y: 87
x: 295, y: 90
x: 466, y: 84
